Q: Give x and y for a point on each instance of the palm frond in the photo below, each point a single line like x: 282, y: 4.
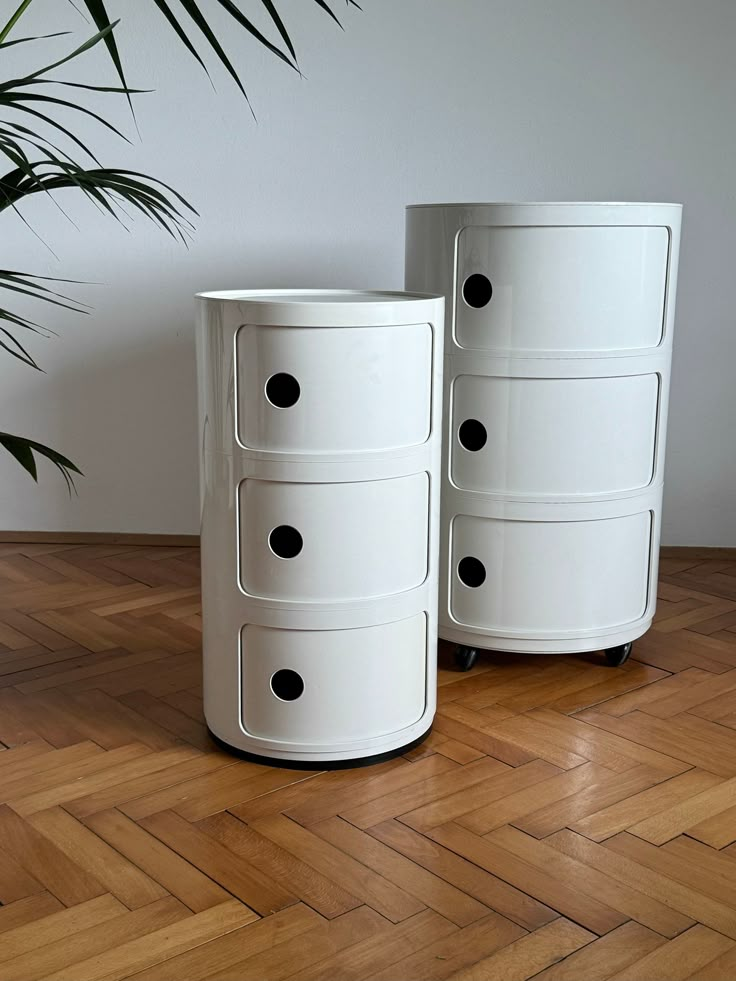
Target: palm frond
x: 109, y: 187
x: 37, y: 37
x: 25, y: 451
x: 14, y: 18
x: 27, y: 285
x: 191, y: 8
x: 39, y: 165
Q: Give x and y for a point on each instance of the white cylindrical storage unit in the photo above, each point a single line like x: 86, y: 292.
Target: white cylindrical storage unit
x: 558, y: 345
x: 320, y: 445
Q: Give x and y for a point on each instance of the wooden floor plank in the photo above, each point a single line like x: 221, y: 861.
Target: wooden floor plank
x: 141, y: 786
x: 627, y: 901
x: 517, y: 805
x: 58, y: 926
x: 117, y: 874
x: 319, y: 807
x: 179, y: 877
x: 639, y: 807
x: 448, y: 955
x: 722, y: 968
x: 230, y: 870
x: 380, y: 952
x: 607, y: 790
x: 43, y: 962
x: 563, y: 822
x: 305, y: 882
x: 682, y: 865
x: 473, y: 880
x: 606, y: 956
x: 136, y: 954
x: 220, y: 955
x: 680, y: 898
x: 695, y: 741
x: 470, y: 799
x: 390, y: 900
x: 674, y: 820
x: 431, y: 890
x: 289, y: 956
x: 410, y: 798
x: 62, y: 876
x: 530, y: 878
x: 28, y: 910
x: 531, y: 954
x: 680, y: 958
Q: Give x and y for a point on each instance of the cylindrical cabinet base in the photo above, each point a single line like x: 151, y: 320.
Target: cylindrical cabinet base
x: 320, y: 435
x: 317, y: 763
x: 520, y: 645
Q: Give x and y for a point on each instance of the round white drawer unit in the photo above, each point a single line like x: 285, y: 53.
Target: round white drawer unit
x: 558, y: 346
x: 320, y: 447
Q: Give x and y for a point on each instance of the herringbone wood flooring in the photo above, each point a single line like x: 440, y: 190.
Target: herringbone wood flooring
x: 564, y: 821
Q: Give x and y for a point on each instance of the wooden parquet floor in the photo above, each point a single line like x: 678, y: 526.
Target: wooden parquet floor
x: 564, y: 821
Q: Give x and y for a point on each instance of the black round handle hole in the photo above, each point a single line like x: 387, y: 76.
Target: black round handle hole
x: 287, y: 685
x: 283, y: 390
x: 472, y: 435
x: 285, y: 542
x: 471, y: 572
x: 477, y: 290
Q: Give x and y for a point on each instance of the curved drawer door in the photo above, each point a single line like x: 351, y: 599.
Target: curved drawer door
x: 550, y: 289
x: 328, y: 686
x: 323, y: 543
x: 554, y: 437
x: 547, y: 577
x: 333, y: 390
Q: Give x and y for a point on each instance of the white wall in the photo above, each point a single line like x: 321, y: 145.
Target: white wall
x: 419, y: 100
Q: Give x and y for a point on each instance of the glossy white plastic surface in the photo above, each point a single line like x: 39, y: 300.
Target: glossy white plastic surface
x: 564, y: 363
x: 359, y: 539
x: 361, y: 388
x: 554, y: 437
x: 560, y: 289
x: 350, y: 468
x: 538, y: 574
x: 361, y: 683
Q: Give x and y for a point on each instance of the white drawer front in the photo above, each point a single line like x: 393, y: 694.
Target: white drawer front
x: 550, y: 289
x: 318, y: 686
x: 551, y: 437
x: 333, y: 390
x: 541, y: 577
x: 333, y: 542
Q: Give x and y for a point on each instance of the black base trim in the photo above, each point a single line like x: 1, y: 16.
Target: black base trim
x: 358, y: 761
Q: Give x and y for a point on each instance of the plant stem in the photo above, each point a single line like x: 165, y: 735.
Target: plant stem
x: 14, y: 19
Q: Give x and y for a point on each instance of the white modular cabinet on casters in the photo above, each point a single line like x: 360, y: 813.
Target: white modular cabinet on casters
x: 558, y: 345
x: 320, y: 445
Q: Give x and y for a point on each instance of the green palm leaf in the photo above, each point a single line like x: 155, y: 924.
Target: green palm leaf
x: 39, y: 165
x: 191, y: 8
x: 25, y: 451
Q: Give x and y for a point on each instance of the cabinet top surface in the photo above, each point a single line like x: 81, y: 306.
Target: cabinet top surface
x: 547, y: 204
x: 325, y: 297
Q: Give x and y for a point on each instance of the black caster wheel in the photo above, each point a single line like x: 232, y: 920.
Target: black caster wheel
x: 465, y: 658
x: 615, y: 656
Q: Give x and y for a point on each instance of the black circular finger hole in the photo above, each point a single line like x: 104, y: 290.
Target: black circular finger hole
x: 471, y: 572
x: 477, y: 290
x: 287, y: 685
x: 282, y: 390
x: 472, y: 435
x: 285, y: 541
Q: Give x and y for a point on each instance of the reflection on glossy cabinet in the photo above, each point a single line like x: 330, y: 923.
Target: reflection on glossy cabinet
x: 320, y: 425
x: 558, y: 344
